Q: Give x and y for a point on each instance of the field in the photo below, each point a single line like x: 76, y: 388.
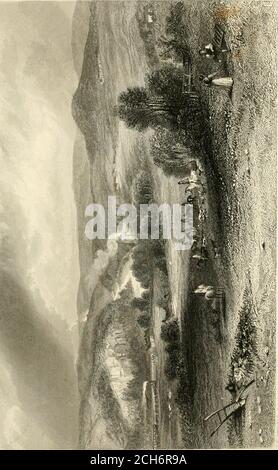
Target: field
x: 240, y: 167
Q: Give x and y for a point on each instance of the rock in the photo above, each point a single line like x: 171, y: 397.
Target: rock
x: 260, y: 431
x: 261, y: 440
x: 266, y: 350
x: 259, y: 409
x: 258, y: 400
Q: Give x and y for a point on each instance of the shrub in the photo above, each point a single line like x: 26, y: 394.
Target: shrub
x: 170, y: 331
x: 144, y: 320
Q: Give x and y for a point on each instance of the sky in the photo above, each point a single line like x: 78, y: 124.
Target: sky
x: 39, y: 267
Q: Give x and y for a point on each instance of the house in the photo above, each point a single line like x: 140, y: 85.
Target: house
x: 149, y: 16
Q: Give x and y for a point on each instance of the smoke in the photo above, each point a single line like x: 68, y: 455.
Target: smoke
x: 100, y: 264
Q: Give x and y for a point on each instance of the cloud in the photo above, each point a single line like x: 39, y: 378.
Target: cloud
x: 39, y: 270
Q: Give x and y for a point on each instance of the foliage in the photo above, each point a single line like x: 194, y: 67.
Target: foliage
x: 184, y: 401
x: 157, y: 104
x: 164, y: 295
x: 158, y: 253
x: 171, y: 335
x: 242, y: 360
x: 170, y: 331
x: 173, y: 360
x: 140, y: 303
x: 143, y: 188
x: 144, y: 320
x: 134, y: 108
x: 110, y: 408
x: 133, y: 389
x: 169, y: 153
x: 147, y: 339
x: 174, y: 21
x: 142, y: 266
x: 166, y: 83
x: 174, y: 43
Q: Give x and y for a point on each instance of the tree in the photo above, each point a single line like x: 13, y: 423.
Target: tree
x: 174, y: 43
x: 156, y: 104
x: 170, y: 154
x: 174, y: 21
x: 134, y: 108
x: 172, y: 364
x: 144, y: 320
x: 167, y: 84
x: 140, y: 303
x: 171, y: 48
x: 142, y: 266
x: 143, y: 188
x: 170, y: 331
x: 146, y: 295
x: 164, y: 293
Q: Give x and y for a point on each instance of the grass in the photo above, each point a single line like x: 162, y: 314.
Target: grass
x: 245, y: 350
x: 240, y: 194
x: 242, y: 365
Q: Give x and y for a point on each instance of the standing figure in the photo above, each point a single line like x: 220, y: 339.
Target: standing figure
x: 217, y: 46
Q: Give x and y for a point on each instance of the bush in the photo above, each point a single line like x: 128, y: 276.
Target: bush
x: 172, y: 152
x: 147, y: 339
x: 173, y: 361
x: 144, y: 320
x: 170, y: 331
x: 140, y: 303
x: 143, y: 188
x: 142, y: 263
x: 242, y: 360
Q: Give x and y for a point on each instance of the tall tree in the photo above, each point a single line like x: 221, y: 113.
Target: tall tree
x: 170, y: 154
x: 174, y: 43
x: 156, y: 104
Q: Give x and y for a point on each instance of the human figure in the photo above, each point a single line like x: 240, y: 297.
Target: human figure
x: 217, y: 46
x: 190, y: 199
x: 222, y: 83
x: 208, y: 51
x: 216, y: 249
x: 201, y: 256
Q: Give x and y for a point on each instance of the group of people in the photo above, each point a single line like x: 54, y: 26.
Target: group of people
x: 196, y: 195
x: 195, y: 191
x: 193, y: 183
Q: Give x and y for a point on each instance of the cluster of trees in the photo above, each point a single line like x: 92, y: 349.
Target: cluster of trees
x: 170, y: 333
x: 173, y: 44
x: 163, y: 299
x: 156, y: 104
x: 142, y: 266
x: 173, y: 153
x: 245, y: 350
x: 162, y: 104
x: 175, y: 368
x: 143, y: 304
x: 143, y: 188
